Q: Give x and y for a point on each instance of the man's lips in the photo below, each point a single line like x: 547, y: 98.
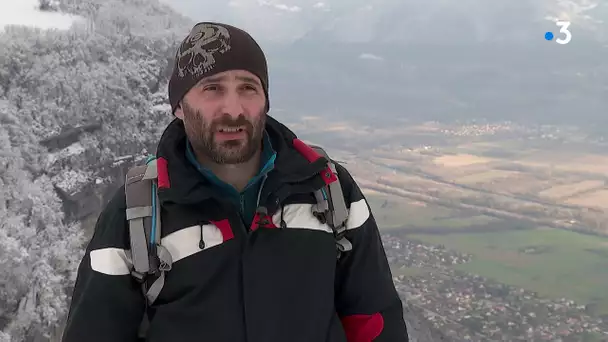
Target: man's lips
x: 231, y: 129
x: 230, y: 133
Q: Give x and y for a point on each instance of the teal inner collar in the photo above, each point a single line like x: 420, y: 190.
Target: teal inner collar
x: 268, y: 158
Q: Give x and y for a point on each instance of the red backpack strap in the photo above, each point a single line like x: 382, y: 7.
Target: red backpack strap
x: 331, y: 206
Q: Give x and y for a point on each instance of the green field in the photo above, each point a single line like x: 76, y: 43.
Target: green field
x: 557, y: 264
x: 553, y: 263
x: 394, y: 212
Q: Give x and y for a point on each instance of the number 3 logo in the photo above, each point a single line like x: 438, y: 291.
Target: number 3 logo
x: 564, y: 29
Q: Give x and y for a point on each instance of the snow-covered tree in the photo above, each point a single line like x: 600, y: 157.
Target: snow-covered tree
x: 38, y: 251
x: 111, y: 69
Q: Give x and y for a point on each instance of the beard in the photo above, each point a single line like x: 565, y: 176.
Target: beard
x: 202, y: 135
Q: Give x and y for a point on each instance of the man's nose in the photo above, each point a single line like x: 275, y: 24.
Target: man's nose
x: 232, y: 104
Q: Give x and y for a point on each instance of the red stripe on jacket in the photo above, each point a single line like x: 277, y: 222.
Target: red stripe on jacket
x: 362, y: 328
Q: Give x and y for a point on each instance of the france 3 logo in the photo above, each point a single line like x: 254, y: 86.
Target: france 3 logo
x: 563, y: 25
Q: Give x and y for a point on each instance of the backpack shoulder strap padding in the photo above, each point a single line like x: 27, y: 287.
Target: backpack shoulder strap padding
x: 139, y: 215
x: 143, y: 215
x: 331, y: 203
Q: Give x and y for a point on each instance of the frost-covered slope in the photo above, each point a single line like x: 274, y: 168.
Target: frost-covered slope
x: 80, y: 86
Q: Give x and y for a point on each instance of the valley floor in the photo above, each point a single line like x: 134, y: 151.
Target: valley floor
x: 467, y: 298
x: 494, y: 232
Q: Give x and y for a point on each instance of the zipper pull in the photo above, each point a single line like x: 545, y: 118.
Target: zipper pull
x: 262, y: 213
x: 283, y: 223
x: 201, y: 243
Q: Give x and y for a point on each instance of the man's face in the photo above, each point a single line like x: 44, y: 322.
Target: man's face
x: 224, y: 116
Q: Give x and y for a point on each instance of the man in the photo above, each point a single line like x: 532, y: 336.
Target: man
x: 233, y: 278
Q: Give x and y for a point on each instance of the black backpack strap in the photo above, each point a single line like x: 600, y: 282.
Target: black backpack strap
x: 331, y: 207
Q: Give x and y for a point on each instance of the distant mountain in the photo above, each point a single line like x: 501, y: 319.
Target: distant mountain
x: 445, y: 22
x: 540, y: 82
x: 403, y: 21
x: 436, y: 59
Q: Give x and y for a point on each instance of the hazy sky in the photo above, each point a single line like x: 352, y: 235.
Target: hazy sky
x: 23, y: 12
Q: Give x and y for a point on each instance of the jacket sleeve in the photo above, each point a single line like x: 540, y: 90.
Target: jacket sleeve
x: 107, y: 304
x: 366, y: 299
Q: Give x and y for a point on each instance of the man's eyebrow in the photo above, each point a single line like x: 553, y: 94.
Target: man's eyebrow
x: 212, y: 79
x: 249, y: 79
x: 219, y: 79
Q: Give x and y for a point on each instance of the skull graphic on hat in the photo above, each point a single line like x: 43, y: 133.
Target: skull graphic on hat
x: 196, y: 55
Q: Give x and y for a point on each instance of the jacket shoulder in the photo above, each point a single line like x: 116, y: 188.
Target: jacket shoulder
x: 111, y: 228
x: 348, y: 183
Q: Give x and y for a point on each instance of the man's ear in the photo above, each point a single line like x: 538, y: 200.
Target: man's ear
x: 179, y: 112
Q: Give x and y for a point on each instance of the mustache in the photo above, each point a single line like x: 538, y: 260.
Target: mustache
x: 227, y: 120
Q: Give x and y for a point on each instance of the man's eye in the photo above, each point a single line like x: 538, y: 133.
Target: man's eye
x: 212, y: 88
x: 250, y: 88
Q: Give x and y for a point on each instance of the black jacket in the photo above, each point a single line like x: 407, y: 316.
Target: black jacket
x: 255, y: 285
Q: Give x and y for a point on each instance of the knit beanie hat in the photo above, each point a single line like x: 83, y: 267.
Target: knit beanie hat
x: 211, y: 48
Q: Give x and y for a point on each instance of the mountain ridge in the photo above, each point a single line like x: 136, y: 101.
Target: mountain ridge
x: 404, y: 22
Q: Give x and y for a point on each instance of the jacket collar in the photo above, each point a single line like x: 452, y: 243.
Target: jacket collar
x: 187, y: 185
